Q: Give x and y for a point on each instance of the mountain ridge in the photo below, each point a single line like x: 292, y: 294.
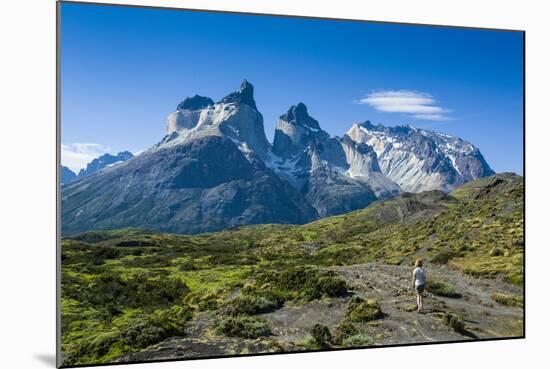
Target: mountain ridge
x: 311, y: 173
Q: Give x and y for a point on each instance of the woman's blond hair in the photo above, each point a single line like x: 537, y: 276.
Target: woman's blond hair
x: 418, y: 263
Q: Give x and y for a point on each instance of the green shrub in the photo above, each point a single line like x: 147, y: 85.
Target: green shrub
x: 507, y: 300
x: 343, y: 330
x: 360, y: 310
x: 358, y: 340
x: 496, y: 252
x: 306, y: 282
x: 332, y: 286
x: 250, y: 305
x: 208, y: 303
x: 455, y: 322
x: 442, y: 257
x: 321, y: 335
x: 268, y: 292
x: 143, y: 334
x: 137, y: 291
x: 441, y: 288
x: 187, y: 265
x: 157, y: 326
x: 95, y: 346
x: 172, y: 320
x: 243, y: 326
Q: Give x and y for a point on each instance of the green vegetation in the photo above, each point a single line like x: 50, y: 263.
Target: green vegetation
x: 243, y: 326
x: 304, y: 282
x: 126, y: 289
x: 454, y: 322
x: 92, y: 335
x: 344, y: 335
x: 343, y: 331
x: 441, y: 288
x: 321, y: 336
x: 358, y: 340
x: 250, y: 305
x: 360, y: 310
x: 507, y: 299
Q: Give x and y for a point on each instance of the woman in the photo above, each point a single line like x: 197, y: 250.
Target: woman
x: 419, y: 282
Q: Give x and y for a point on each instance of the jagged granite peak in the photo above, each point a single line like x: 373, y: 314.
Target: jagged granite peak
x: 66, y: 175
x: 295, y: 131
x: 335, y: 175
x: 195, y: 103
x: 244, y: 95
x: 104, y: 161
x: 235, y: 117
x: 298, y: 115
x: 419, y: 160
x: 363, y: 166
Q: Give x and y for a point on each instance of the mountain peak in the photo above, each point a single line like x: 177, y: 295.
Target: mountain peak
x: 298, y: 115
x: 244, y: 95
x: 246, y: 85
x: 195, y: 103
x: 295, y: 130
x: 366, y: 124
x: 104, y: 161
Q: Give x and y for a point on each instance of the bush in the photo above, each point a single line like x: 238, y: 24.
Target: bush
x: 138, y: 291
x: 441, y: 288
x: 306, y: 282
x: 268, y: 292
x: 243, y: 326
x: 508, y: 300
x: 343, y: 331
x: 250, y: 305
x: 332, y: 286
x: 208, y: 302
x: 496, y: 252
x: 455, y: 322
x: 442, y: 257
x: 157, y: 326
x: 95, y: 346
x: 321, y: 335
x: 172, y: 320
x: 143, y: 334
x: 358, y: 340
x: 360, y: 310
x: 187, y: 265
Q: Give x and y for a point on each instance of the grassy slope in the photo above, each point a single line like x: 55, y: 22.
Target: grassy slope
x: 124, y: 290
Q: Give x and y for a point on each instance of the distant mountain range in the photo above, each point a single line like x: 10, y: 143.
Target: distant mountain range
x: 216, y: 169
x: 67, y: 175
x: 99, y: 163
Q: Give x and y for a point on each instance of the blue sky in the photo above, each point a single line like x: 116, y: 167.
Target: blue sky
x: 125, y: 69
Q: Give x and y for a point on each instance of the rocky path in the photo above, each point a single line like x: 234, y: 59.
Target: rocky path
x: 390, y: 285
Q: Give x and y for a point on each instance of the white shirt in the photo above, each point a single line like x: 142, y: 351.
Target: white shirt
x: 418, y: 276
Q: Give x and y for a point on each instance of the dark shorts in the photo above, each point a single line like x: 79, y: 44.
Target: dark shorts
x: 419, y: 289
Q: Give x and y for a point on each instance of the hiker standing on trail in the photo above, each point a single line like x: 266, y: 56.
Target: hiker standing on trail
x: 419, y: 282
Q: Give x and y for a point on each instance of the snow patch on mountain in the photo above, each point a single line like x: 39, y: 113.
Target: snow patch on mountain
x: 419, y: 160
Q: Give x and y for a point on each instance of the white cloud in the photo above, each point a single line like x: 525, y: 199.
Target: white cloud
x: 75, y: 156
x: 415, y: 104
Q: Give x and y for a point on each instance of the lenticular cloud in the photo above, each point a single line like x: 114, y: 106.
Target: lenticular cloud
x: 418, y: 105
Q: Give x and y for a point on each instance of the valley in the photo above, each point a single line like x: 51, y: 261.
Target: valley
x: 343, y: 281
